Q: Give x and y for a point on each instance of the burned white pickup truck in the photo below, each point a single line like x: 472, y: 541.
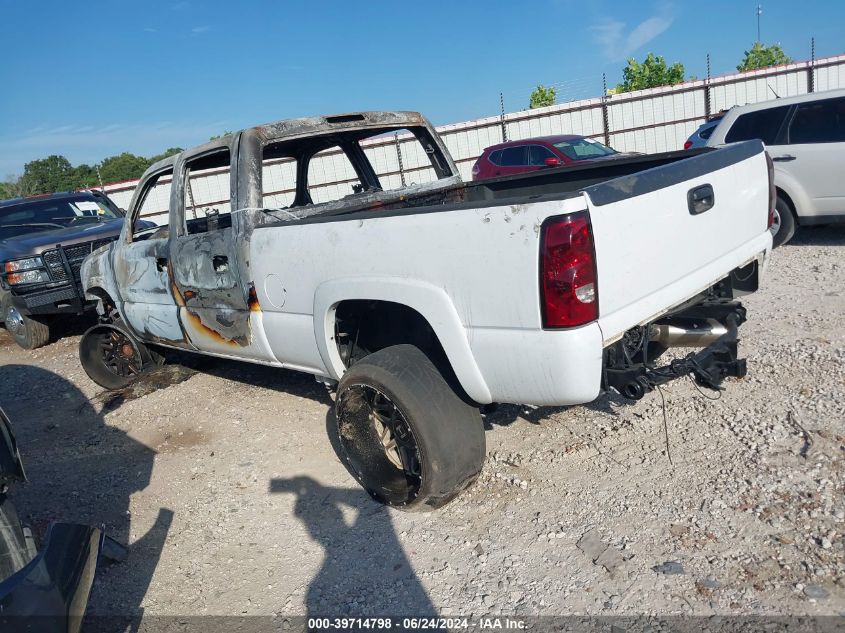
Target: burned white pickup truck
x: 423, y: 301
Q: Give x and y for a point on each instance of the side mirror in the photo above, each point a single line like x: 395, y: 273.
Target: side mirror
x: 551, y: 161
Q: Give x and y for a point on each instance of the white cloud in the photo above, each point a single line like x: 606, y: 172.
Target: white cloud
x: 90, y: 144
x: 618, y: 43
x: 200, y: 29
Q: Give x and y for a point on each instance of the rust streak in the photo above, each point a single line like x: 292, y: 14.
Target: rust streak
x: 252, y: 300
x: 177, y: 296
x: 198, y: 326
x: 203, y: 329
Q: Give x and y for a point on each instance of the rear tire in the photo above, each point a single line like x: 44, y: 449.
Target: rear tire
x: 409, y: 439
x: 784, y: 227
x: 27, y: 332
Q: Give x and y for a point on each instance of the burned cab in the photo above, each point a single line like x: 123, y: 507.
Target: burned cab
x: 188, y: 283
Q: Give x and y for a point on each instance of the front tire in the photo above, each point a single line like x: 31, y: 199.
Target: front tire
x: 784, y: 227
x: 112, y: 357
x: 27, y: 332
x: 406, y: 435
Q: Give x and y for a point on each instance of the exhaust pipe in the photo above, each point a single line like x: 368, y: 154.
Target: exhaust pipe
x: 701, y: 333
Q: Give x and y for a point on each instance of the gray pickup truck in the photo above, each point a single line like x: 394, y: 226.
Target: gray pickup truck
x: 43, y: 240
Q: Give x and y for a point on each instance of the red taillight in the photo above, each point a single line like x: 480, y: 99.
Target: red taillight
x: 688, y: 144
x: 569, y: 295
x: 773, y: 195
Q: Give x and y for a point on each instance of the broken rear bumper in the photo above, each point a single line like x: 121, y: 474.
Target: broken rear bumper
x: 633, y: 374
x: 50, y: 593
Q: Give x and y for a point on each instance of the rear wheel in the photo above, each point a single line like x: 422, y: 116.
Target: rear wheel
x: 27, y: 332
x: 405, y: 434
x: 783, y: 227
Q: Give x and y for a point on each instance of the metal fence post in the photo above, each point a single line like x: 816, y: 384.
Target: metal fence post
x: 707, y: 104
x: 811, y: 71
x: 399, y: 157
x: 605, y: 116
x: 502, y: 118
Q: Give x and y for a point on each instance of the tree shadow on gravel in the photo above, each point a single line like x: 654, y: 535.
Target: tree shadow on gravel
x: 365, y: 571
x: 81, y: 470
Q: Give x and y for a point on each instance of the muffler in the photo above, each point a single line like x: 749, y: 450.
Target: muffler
x: 687, y: 333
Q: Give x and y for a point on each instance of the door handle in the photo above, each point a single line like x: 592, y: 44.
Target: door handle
x: 161, y: 264
x: 783, y: 159
x: 220, y: 263
x: 700, y: 199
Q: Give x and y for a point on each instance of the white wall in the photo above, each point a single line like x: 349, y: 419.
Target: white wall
x: 648, y: 121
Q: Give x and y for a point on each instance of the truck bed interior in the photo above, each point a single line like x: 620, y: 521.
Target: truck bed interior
x: 547, y: 184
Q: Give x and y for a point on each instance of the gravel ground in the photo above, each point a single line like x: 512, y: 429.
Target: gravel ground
x: 223, y: 482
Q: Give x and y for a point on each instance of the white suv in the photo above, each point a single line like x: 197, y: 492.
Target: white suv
x: 805, y: 137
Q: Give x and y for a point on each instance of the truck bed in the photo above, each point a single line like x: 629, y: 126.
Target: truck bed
x: 468, y: 262
x: 547, y: 184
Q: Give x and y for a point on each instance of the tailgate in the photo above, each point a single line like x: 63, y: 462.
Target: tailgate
x: 655, y: 248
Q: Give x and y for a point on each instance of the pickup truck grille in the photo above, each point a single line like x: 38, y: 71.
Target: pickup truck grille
x: 75, y: 254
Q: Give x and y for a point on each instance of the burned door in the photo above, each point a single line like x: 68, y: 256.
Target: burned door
x: 214, y: 304
x: 141, y: 265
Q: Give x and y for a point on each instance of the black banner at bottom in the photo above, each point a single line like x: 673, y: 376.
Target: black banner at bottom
x: 475, y: 624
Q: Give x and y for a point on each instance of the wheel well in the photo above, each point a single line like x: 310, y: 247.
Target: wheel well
x: 105, y: 303
x: 782, y: 194
x: 363, y: 327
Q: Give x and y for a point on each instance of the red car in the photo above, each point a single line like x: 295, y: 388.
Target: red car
x: 531, y: 154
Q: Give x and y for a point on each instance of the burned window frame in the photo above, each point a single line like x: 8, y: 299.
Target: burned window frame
x: 179, y: 219
x: 147, y: 184
x: 303, y: 148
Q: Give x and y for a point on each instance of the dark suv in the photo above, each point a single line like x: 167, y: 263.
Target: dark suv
x: 43, y: 240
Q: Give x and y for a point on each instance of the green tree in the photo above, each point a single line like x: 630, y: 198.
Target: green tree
x: 85, y: 176
x: 47, y: 175
x: 217, y: 136
x: 763, y: 56
x: 542, y: 97
x: 651, y: 73
x: 124, y: 166
x: 15, y: 187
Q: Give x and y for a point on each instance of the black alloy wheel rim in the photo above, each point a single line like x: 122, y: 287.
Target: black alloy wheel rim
x: 119, y: 355
x: 379, y: 444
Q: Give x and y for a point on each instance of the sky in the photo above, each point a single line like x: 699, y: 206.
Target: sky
x: 92, y: 78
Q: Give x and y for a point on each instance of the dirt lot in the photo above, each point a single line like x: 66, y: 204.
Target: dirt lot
x: 234, y: 502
